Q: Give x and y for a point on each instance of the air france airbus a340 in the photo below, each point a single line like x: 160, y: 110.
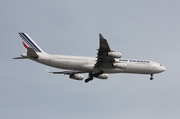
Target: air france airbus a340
x: 106, y: 62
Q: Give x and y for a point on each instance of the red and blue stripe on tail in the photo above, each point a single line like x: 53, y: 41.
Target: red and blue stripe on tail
x: 28, y: 42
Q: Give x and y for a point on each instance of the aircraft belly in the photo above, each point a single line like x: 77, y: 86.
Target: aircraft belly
x: 113, y: 70
x: 138, y: 68
x: 76, y: 65
x: 69, y: 64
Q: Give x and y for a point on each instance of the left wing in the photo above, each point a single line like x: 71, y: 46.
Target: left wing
x: 66, y: 72
x: 72, y: 74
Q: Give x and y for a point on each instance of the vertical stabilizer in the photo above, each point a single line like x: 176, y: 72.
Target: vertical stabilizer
x: 29, y: 43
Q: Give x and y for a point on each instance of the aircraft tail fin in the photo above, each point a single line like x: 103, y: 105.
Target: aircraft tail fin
x: 29, y: 43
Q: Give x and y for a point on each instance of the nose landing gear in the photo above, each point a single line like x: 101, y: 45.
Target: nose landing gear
x: 151, y: 78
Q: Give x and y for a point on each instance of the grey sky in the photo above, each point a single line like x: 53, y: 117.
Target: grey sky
x: 138, y: 29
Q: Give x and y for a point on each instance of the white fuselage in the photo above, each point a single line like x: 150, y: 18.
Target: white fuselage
x: 86, y: 64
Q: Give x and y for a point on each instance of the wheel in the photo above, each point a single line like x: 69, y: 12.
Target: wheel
x: 151, y: 78
x: 87, y: 80
x: 91, y: 78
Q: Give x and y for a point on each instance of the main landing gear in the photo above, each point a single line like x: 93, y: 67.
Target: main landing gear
x: 91, y: 75
x: 89, y: 78
x: 151, y: 78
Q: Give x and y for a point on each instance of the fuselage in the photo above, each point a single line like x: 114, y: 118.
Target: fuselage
x: 86, y: 64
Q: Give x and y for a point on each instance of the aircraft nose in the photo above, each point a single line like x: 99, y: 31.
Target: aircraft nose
x: 162, y: 69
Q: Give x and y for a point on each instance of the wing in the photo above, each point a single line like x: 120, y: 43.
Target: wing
x: 103, y: 50
x: 66, y: 72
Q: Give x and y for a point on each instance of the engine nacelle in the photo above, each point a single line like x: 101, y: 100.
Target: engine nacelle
x: 76, y: 76
x: 102, y: 76
x: 117, y: 60
x: 119, y: 65
x: 114, y: 54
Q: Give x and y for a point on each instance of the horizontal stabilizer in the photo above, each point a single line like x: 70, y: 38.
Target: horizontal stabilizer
x: 20, y: 58
x: 32, y: 53
x: 23, y: 56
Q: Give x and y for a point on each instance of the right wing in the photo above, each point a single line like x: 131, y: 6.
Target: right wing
x: 103, y: 50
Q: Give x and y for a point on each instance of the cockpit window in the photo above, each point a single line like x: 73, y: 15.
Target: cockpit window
x: 161, y: 65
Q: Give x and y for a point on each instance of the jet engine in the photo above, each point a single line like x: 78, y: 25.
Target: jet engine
x: 102, y: 76
x: 119, y: 65
x: 117, y: 60
x: 76, y: 76
x: 114, y: 54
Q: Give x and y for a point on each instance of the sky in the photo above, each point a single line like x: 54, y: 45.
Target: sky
x: 140, y: 29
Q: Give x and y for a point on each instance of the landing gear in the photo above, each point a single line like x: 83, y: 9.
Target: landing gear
x: 98, y: 73
x: 151, y: 78
x: 91, y: 75
x: 89, y: 78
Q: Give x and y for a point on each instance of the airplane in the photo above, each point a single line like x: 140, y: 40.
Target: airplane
x: 106, y: 62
